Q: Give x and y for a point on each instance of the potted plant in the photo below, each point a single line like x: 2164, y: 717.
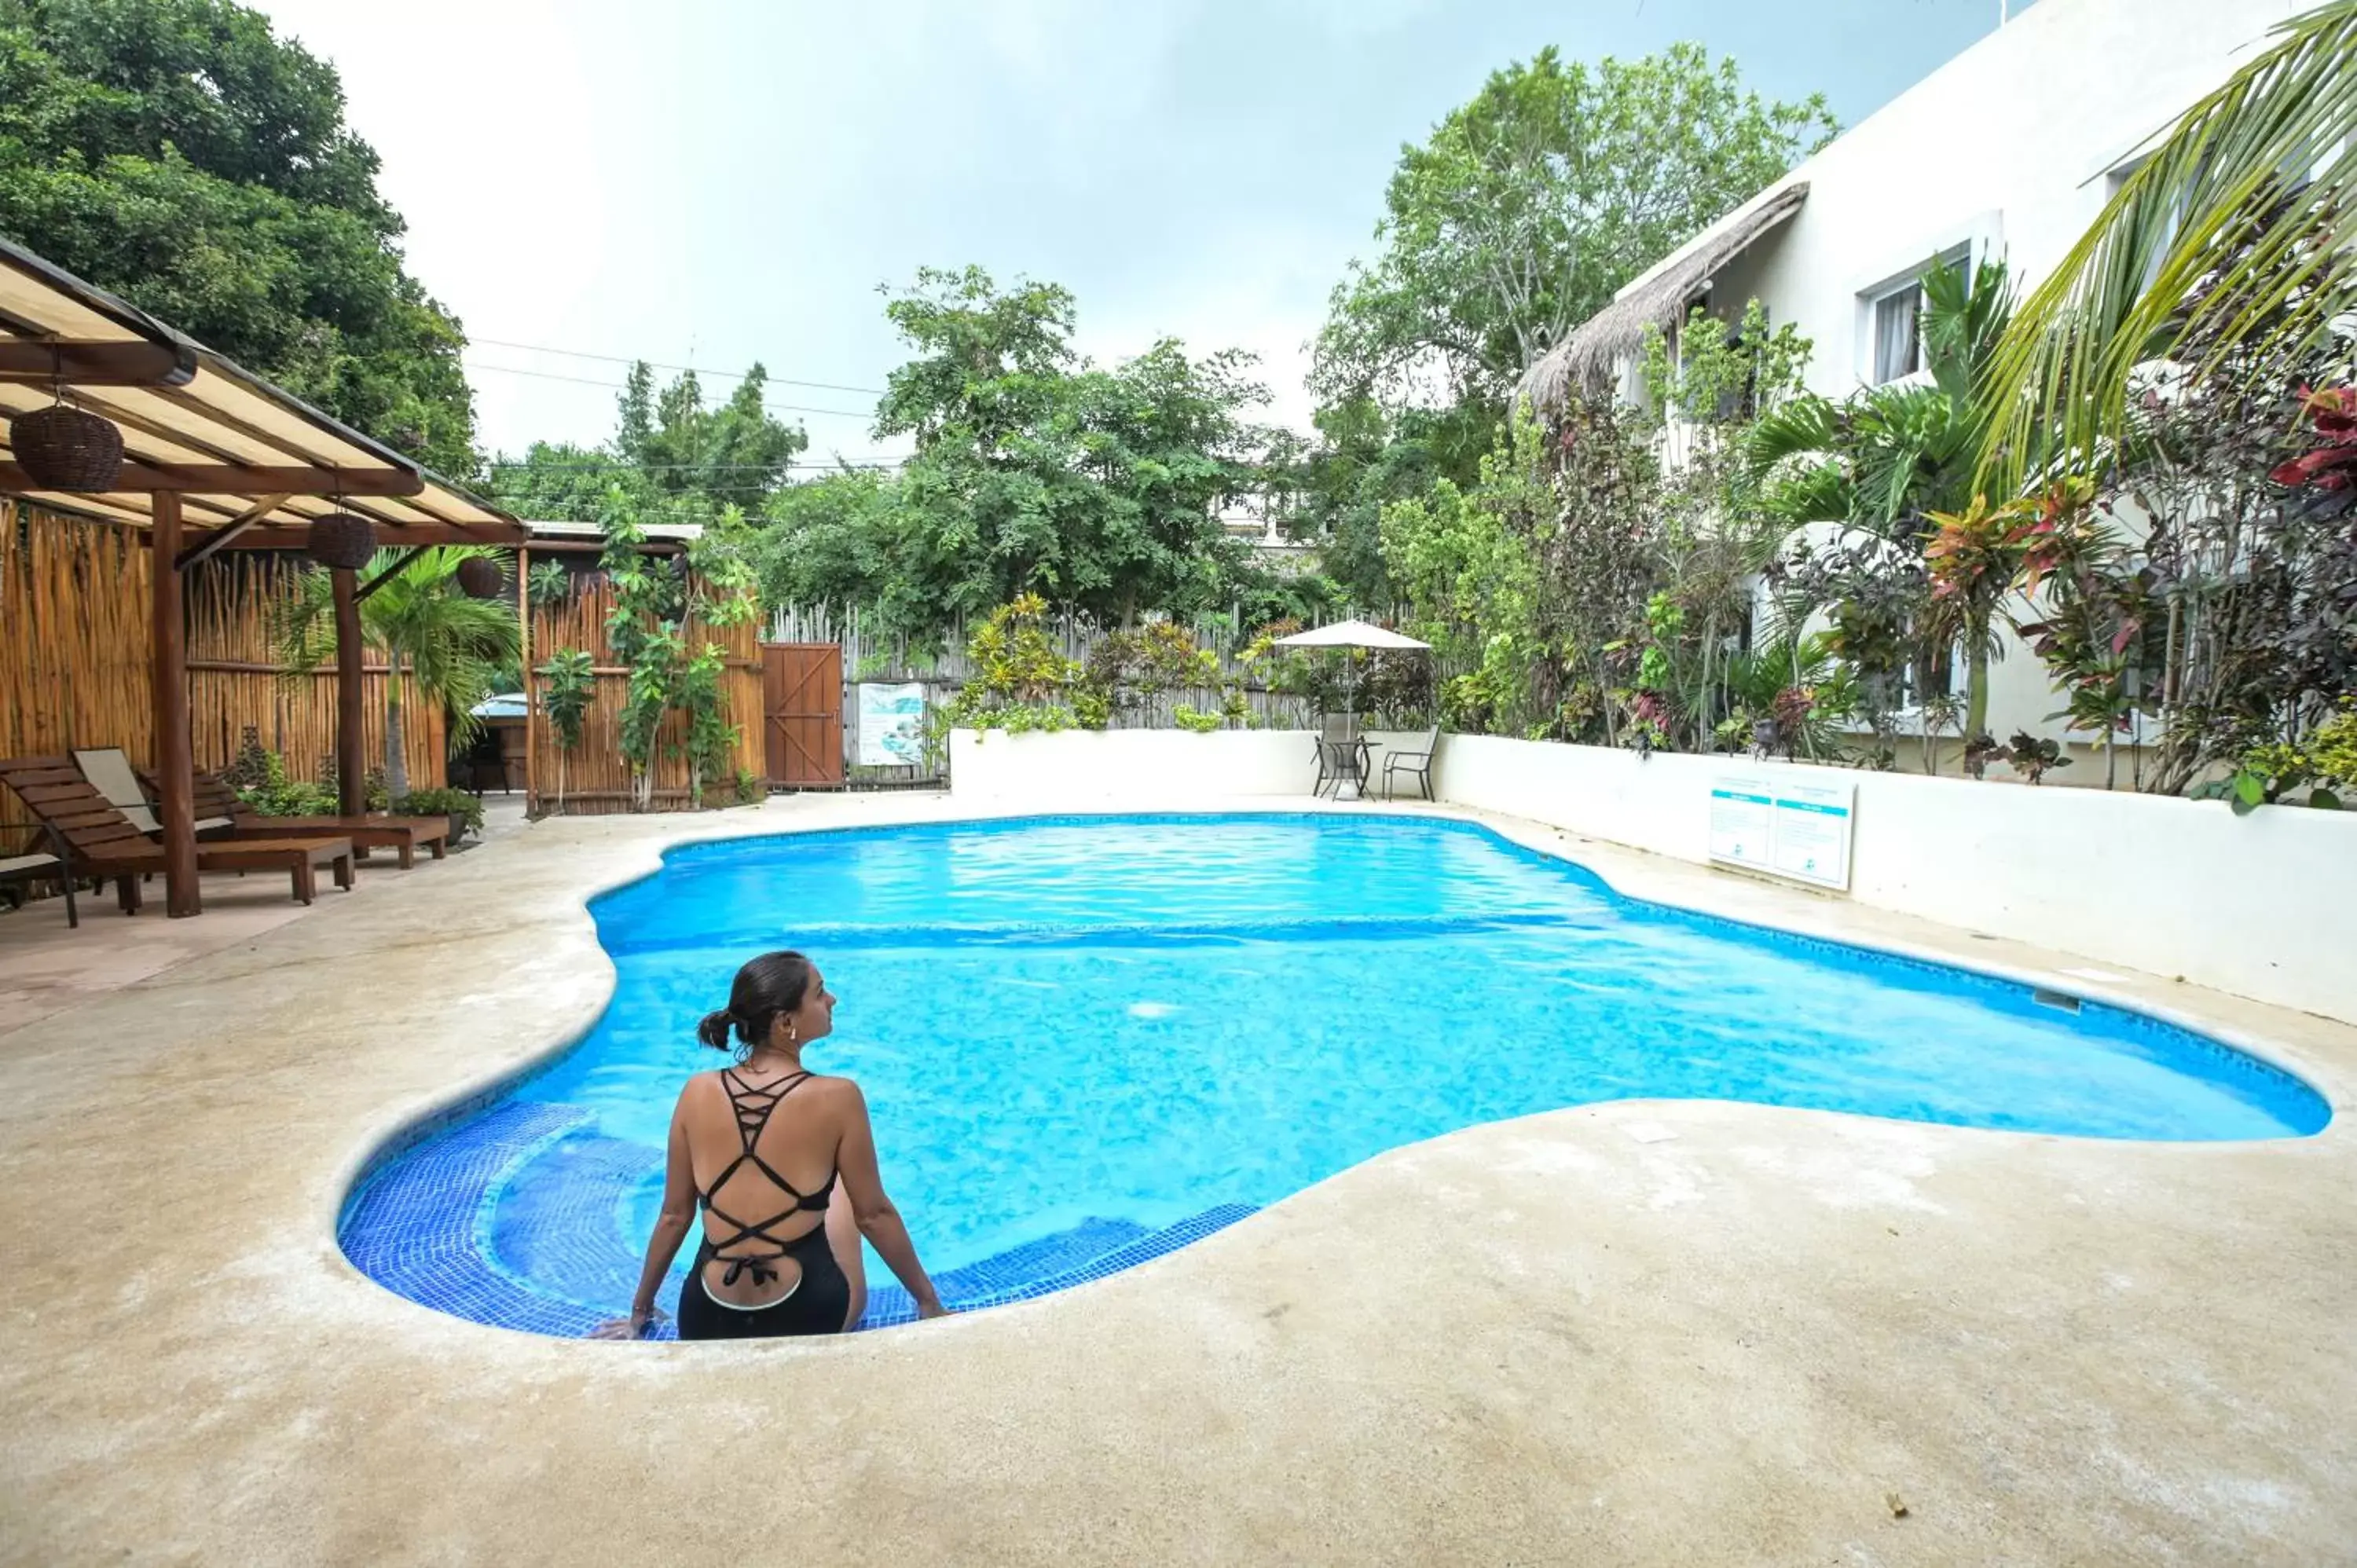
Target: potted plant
x: 464, y: 810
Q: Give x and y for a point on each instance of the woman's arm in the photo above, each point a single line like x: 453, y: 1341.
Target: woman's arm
x: 855, y: 1164
x: 670, y: 1229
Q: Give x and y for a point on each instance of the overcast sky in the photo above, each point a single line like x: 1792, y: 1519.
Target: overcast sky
x: 733, y: 181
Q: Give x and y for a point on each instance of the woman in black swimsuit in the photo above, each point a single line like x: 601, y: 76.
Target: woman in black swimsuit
x: 760, y: 1146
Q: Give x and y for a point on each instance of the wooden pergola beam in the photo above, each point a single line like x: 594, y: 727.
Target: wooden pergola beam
x: 75, y: 362
x: 243, y: 479
x: 392, y: 535
x: 221, y: 537
x: 175, y: 749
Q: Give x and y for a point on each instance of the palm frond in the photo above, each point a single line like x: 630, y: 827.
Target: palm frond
x: 2231, y: 236
x: 1804, y: 424
x: 1811, y: 492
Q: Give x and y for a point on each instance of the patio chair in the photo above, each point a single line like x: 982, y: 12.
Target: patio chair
x: 110, y: 773
x: 1342, y: 754
x: 1415, y: 763
x: 101, y: 842
x: 36, y: 866
x: 403, y: 835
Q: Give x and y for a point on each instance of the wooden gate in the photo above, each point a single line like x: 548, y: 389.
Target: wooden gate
x: 801, y: 707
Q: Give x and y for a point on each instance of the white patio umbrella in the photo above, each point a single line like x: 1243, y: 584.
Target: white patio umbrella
x: 1352, y: 634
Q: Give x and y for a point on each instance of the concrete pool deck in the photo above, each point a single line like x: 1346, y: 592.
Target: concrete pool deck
x: 1674, y: 1332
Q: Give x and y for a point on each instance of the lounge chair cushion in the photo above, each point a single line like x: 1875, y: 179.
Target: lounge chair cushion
x: 110, y: 773
x: 19, y: 864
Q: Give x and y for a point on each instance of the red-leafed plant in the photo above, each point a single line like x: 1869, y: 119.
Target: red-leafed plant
x: 2330, y: 465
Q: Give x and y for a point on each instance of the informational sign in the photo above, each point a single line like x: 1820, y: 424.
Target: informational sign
x: 1788, y: 827
x: 1740, y: 810
x: 891, y: 724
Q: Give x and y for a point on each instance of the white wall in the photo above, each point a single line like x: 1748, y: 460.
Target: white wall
x: 2256, y: 905
x: 2006, y: 146
x: 1079, y: 767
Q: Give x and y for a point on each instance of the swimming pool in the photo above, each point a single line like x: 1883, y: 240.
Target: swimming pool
x: 1086, y: 1041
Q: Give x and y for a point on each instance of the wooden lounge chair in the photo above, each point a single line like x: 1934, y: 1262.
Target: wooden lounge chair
x: 101, y: 841
x: 44, y: 866
x: 110, y: 773
x: 403, y: 835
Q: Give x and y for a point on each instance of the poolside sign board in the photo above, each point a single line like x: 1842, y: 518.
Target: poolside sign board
x: 891, y: 724
x: 1788, y: 829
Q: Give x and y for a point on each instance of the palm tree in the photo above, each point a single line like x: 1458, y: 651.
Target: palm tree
x: 433, y: 636
x: 2231, y: 236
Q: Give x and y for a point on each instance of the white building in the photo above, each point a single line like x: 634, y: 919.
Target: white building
x: 2009, y: 151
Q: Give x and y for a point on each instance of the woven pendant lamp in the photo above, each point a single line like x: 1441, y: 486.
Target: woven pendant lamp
x: 481, y: 577
x: 65, y: 448
x: 341, y: 540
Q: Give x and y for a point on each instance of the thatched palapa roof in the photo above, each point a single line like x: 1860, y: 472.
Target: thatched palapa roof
x: 1585, y: 360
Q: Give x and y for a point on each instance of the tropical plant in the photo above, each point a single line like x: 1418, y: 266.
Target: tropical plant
x: 568, y: 686
x: 1887, y: 458
x: 2229, y: 238
x: 2032, y: 757
x: 1973, y: 557
x: 711, y: 739
x: 438, y: 643
x: 463, y: 804
x: 654, y: 607
x: 549, y: 584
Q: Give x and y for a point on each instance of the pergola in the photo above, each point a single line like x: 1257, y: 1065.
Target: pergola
x: 214, y: 458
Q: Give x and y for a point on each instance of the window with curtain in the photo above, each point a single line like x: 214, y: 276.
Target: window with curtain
x: 1897, y: 348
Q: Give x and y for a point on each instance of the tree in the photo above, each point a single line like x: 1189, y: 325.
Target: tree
x: 180, y: 154
x: 1367, y: 458
x: 1035, y: 472
x: 433, y: 637
x: 1528, y: 207
x: 673, y: 458
x: 2228, y: 240
x: 647, y: 629
x: 568, y: 686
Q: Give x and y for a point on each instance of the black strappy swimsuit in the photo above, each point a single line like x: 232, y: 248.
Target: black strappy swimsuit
x: 820, y: 1302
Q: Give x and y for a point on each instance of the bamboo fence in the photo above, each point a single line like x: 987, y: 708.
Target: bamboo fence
x: 235, y: 684
x: 76, y: 668
x: 596, y: 778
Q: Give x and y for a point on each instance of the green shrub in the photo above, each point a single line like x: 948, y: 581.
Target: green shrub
x: 441, y: 803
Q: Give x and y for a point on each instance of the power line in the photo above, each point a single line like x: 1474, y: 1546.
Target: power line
x: 660, y: 365
x: 693, y: 467
x: 619, y: 386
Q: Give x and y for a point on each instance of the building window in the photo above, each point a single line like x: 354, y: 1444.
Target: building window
x: 1898, y: 343
x: 1895, y: 313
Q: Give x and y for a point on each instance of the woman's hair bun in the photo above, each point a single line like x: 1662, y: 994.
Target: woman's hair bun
x: 773, y: 983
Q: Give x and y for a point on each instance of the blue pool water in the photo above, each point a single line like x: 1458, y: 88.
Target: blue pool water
x: 1083, y: 1042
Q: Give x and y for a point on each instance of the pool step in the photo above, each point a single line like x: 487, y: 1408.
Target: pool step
x: 888, y: 1305
x: 413, y: 1227
x: 448, y: 1226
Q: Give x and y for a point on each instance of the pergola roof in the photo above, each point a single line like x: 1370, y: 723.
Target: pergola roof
x: 189, y: 418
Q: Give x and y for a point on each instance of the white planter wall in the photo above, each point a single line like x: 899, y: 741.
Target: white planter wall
x: 2256, y: 905
x: 1090, y: 767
